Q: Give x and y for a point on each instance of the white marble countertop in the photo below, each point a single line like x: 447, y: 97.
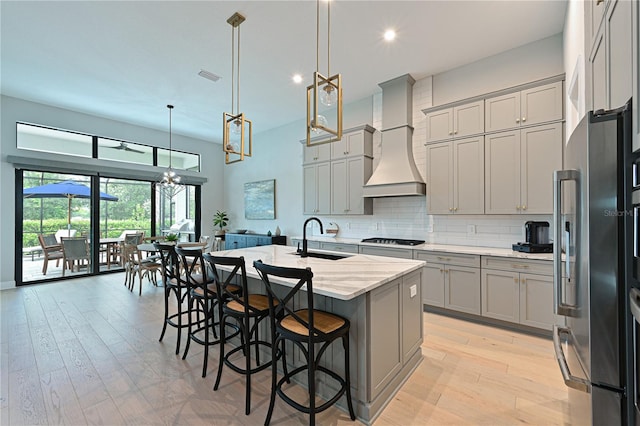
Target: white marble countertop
x: 343, y: 279
x: 477, y: 250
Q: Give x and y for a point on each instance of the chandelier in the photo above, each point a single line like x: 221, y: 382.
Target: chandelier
x: 170, y: 184
x: 325, y: 89
x: 236, y: 137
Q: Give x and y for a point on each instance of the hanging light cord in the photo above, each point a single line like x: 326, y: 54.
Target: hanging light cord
x: 317, y: 35
x: 328, y: 38
x: 170, y: 108
x: 235, y: 81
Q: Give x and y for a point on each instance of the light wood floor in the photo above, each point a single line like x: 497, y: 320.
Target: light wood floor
x: 86, y: 351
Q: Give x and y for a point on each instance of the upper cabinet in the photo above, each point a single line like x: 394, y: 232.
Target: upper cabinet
x: 317, y: 153
x: 536, y: 105
x: 334, y: 174
x: 457, y: 122
x: 610, y: 67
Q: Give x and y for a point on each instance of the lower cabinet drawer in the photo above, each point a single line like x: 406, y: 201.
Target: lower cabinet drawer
x: 389, y: 252
x: 348, y: 248
x: 542, y: 267
x: 471, y: 260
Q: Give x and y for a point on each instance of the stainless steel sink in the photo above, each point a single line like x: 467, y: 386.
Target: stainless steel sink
x: 328, y: 256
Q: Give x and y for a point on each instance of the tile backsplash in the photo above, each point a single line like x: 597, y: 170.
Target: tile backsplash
x: 406, y: 217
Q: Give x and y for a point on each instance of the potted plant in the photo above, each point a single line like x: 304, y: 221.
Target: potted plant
x: 172, y: 238
x: 220, y: 219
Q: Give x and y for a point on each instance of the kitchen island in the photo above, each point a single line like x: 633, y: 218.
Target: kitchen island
x: 380, y: 296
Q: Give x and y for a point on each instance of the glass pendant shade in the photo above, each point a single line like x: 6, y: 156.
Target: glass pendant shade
x: 237, y: 132
x: 326, y: 91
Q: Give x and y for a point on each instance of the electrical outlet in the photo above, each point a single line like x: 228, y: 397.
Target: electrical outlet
x: 471, y: 229
x: 373, y: 227
x: 430, y: 227
x: 413, y: 290
x: 348, y: 225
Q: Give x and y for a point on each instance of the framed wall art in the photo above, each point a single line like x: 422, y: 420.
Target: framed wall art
x: 260, y: 199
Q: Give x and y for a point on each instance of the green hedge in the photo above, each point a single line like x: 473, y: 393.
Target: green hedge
x: 31, y: 228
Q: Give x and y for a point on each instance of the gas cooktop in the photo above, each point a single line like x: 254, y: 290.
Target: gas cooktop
x: 398, y: 241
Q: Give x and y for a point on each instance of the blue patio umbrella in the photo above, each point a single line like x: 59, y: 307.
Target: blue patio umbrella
x: 68, y: 189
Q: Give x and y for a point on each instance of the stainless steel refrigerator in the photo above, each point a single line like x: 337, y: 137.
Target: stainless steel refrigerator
x: 592, y: 236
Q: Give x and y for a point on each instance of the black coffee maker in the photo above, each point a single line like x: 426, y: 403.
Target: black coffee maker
x: 537, y: 236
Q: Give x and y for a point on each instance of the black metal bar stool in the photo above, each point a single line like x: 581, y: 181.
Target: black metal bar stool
x: 173, y: 287
x: 248, y: 310
x: 203, y: 301
x: 305, y: 327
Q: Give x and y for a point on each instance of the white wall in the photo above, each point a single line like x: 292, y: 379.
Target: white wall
x: 14, y: 110
x: 278, y: 154
x: 574, y: 64
x: 531, y: 62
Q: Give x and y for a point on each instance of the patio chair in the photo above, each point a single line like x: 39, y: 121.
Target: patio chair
x: 51, y: 250
x: 74, y: 249
x: 65, y: 233
x: 135, y: 264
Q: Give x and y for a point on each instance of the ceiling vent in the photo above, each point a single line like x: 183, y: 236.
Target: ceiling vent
x: 209, y: 75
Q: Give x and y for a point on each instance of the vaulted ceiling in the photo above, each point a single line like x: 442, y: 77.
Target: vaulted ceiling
x: 126, y: 60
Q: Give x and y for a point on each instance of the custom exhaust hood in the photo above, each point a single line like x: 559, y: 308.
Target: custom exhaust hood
x: 396, y: 174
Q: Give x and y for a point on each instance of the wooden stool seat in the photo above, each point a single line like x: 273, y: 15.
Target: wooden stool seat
x: 323, y: 321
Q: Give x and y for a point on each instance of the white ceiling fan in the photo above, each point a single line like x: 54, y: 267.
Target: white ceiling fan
x: 125, y: 147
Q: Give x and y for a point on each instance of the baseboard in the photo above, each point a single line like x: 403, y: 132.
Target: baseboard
x: 7, y: 285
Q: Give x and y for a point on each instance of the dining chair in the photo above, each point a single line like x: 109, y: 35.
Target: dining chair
x: 135, y: 264
x: 74, y: 249
x: 305, y: 327
x: 51, y: 250
x: 248, y: 310
x: 175, y: 292
x: 203, y: 302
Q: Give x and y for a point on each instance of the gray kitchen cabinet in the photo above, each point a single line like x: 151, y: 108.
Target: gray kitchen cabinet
x: 317, y: 153
x: 619, y: 47
x: 457, y: 122
x: 518, y: 291
x: 535, y: 105
x: 317, y: 188
x: 237, y: 241
x: 450, y: 280
x: 353, y: 143
x: 598, y: 68
x: 519, y: 166
x: 334, y: 186
x: 347, y: 179
x: 610, y: 32
x: 455, y: 173
x: 347, y: 248
x: 296, y: 242
x: 401, y: 253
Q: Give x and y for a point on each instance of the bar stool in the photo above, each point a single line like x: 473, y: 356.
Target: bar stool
x: 305, y: 327
x: 173, y: 286
x: 248, y: 310
x: 203, y: 300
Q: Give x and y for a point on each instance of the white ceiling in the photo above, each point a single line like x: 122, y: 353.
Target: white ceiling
x: 126, y: 60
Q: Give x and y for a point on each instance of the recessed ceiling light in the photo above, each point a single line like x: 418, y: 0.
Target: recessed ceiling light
x: 389, y: 35
x: 297, y: 78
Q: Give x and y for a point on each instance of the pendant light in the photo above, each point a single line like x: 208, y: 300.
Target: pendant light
x: 326, y: 90
x: 170, y: 184
x: 237, y: 130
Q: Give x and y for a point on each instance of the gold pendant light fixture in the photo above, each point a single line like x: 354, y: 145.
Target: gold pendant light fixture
x: 325, y: 89
x: 171, y: 183
x: 237, y: 131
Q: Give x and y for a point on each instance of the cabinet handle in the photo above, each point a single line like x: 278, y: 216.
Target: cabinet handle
x: 450, y: 209
x: 516, y: 266
x: 446, y: 271
x: 444, y: 258
x: 517, y: 207
x: 524, y: 207
x: 515, y: 280
x: 524, y: 281
x: 450, y: 133
x: 598, y: 2
x: 455, y: 209
x: 441, y: 270
x: 517, y: 120
x: 455, y: 132
x: 524, y: 119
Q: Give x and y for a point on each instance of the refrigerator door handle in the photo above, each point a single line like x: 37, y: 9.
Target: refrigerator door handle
x: 571, y: 381
x: 560, y: 307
